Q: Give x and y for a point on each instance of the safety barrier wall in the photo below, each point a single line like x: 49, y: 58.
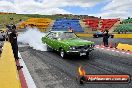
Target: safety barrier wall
x: 125, y: 47
x: 122, y: 35
x: 84, y: 35
x: 9, y: 77
x: 115, y: 35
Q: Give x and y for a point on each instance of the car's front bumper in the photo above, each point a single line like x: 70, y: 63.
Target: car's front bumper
x: 75, y: 52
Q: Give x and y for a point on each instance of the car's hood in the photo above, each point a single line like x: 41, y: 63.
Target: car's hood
x: 77, y: 42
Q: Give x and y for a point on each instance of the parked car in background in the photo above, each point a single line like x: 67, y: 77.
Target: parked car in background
x: 67, y: 43
x: 100, y: 34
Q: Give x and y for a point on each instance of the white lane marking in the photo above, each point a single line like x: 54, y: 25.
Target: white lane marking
x: 28, y: 78
x: 122, y: 52
x: 113, y: 50
x: 117, y: 51
x: 97, y: 47
x: 108, y: 49
x: 127, y: 53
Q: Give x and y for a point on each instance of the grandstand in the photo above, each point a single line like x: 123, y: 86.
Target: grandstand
x: 92, y: 23
x: 107, y: 24
x: 65, y: 24
x: 41, y: 23
x: 100, y: 24
x: 129, y: 20
x: 125, y: 26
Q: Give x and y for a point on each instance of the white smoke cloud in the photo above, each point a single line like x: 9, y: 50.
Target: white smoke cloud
x: 33, y: 37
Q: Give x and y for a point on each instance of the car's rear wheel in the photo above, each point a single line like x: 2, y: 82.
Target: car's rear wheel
x: 49, y: 49
x: 62, y: 53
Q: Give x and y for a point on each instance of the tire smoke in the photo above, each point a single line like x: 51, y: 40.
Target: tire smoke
x: 32, y: 36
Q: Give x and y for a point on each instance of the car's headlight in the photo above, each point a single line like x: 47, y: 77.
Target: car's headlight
x: 72, y: 48
x: 92, y: 45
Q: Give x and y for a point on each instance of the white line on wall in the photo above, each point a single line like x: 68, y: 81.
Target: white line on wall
x: 28, y: 78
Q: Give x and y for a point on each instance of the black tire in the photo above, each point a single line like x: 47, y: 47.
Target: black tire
x: 97, y: 36
x: 62, y: 53
x: 86, y: 56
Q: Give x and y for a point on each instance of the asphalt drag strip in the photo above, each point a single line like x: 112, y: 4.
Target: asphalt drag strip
x: 49, y: 70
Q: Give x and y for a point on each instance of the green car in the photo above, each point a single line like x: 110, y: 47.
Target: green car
x: 67, y: 43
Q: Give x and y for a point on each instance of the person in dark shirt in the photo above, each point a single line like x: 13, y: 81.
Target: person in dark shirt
x: 13, y: 41
x: 105, y: 38
x: 11, y: 26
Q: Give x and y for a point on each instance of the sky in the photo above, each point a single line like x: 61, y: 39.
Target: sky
x: 103, y: 8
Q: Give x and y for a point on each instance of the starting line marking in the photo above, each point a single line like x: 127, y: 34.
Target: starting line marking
x: 108, y: 49
x: 112, y: 49
x: 117, y: 51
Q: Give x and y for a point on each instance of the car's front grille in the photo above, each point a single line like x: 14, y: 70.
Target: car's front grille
x: 82, y: 47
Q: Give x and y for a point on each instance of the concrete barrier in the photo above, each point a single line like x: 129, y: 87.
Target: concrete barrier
x: 122, y: 35
x: 125, y: 47
x: 9, y: 77
x: 84, y: 35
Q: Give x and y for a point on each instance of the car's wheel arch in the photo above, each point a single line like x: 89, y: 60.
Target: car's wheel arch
x: 60, y: 48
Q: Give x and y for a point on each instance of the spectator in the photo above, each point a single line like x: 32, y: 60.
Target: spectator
x: 13, y: 41
x: 70, y: 29
x: 105, y: 38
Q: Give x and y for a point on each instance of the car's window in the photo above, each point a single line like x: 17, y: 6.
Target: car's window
x: 67, y: 35
x: 51, y: 35
x: 61, y: 35
x: 99, y: 32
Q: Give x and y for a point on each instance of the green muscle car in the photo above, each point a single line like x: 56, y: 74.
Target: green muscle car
x: 68, y: 43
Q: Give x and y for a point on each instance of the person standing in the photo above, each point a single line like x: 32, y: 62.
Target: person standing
x: 13, y: 41
x: 70, y: 29
x: 105, y: 38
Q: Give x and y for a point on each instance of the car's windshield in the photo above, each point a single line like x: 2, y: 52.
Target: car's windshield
x: 99, y: 32
x: 67, y: 35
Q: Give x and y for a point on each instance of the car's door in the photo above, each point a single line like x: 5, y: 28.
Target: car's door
x: 55, y: 41
x: 49, y: 39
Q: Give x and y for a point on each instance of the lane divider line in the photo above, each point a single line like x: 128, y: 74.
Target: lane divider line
x: 113, y: 49
x: 29, y: 80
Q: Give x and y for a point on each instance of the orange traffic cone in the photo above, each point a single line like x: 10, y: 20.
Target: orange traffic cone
x: 111, y: 45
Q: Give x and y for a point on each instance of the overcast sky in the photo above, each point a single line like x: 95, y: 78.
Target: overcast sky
x: 103, y: 8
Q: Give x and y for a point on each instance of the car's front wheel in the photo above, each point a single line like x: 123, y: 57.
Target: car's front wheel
x: 62, y: 53
x: 87, y: 55
x: 97, y: 36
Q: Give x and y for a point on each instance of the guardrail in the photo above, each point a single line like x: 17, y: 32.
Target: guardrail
x: 9, y: 77
x: 125, y: 47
